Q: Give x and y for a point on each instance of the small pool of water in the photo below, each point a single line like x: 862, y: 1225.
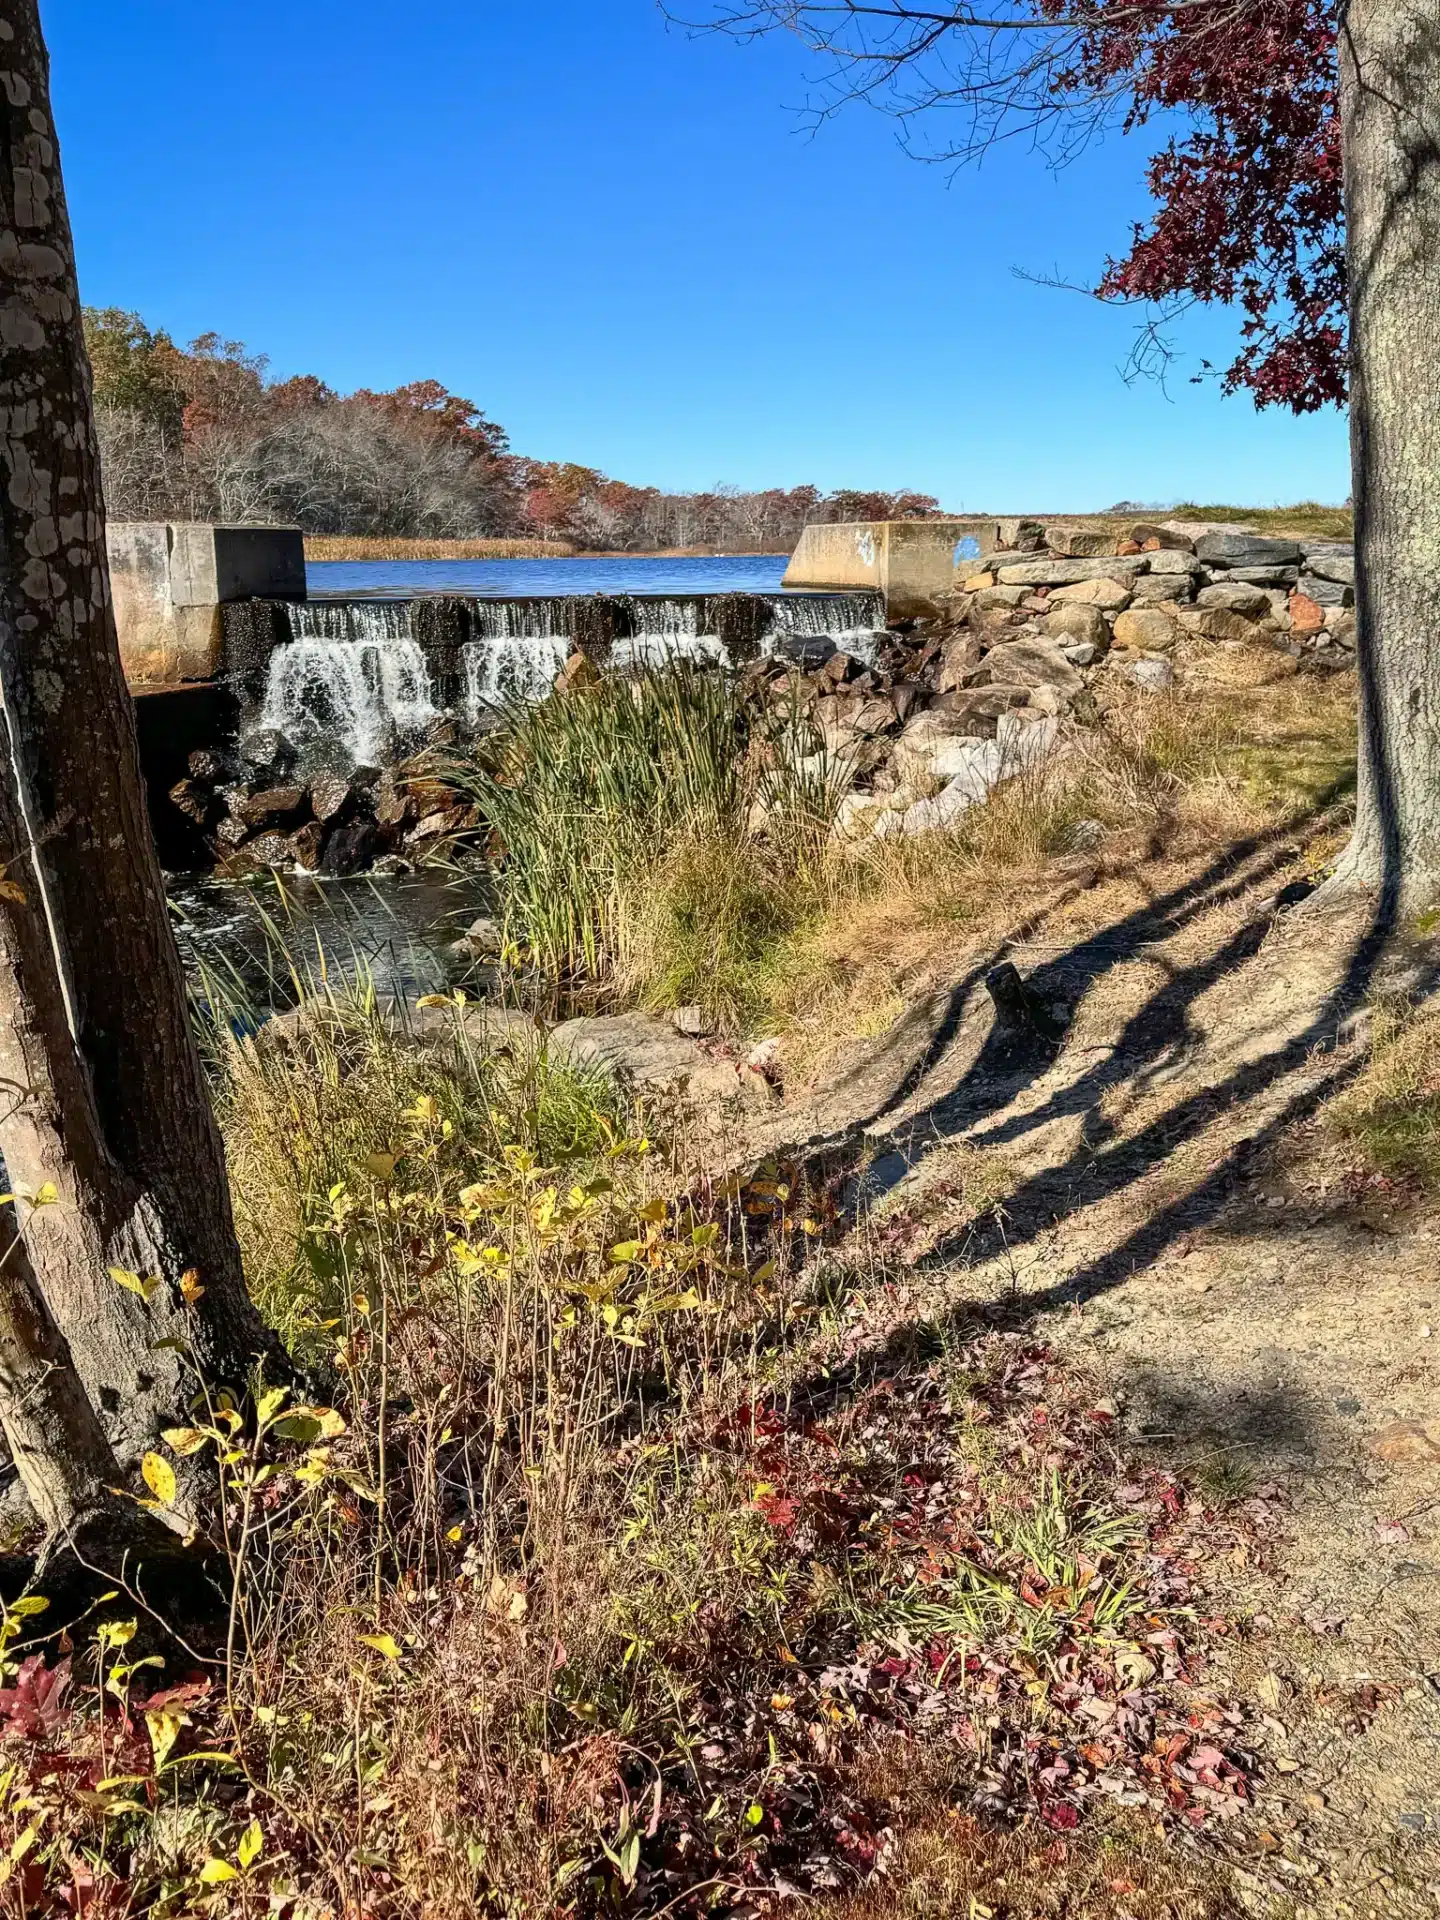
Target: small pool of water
x: 516, y: 579
x: 243, y: 944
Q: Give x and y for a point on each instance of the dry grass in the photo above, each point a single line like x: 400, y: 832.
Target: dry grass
x: 352, y: 547
x: 1306, y: 517
x: 1392, y: 1113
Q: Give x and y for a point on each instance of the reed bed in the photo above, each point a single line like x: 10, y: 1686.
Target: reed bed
x: 347, y: 547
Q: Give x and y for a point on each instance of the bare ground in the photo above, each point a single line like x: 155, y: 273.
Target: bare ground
x: 1161, y: 1191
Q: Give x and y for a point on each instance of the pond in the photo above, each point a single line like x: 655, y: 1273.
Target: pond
x: 518, y: 579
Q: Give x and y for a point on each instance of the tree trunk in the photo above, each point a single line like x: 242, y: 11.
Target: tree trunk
x: 1390, y: 108
x: 120, y: 1120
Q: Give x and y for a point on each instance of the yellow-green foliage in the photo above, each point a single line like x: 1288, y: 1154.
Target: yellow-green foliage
x: 1392, y: 1113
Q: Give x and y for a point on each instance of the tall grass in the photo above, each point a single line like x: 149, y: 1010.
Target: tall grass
x: 658, y: 835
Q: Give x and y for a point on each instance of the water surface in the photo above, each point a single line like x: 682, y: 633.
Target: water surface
x: 514, y: 579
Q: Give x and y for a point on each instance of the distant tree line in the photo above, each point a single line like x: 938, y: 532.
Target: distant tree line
x: 202, y: 433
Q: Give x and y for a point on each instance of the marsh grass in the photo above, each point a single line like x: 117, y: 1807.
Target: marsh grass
x: 659, y: 838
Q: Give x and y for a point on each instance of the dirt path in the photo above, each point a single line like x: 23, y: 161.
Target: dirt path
x: 1162, y: 1192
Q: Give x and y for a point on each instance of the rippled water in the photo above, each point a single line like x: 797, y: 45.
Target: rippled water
x: 512, y: 579
x: 242, y: 942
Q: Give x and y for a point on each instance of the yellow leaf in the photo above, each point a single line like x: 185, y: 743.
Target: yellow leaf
x: 45, y: 1196
x: 382, y: 1165
x: 455, y: 1533
x: 270, y: 1403
x: 252, y: 1843
x: 184, y: 1439
x: 519, y: 1606
x: 164, y: 1724
x: 382, y: 1643
x: 159, y: 1476
x: 29, y: 1603
x: 190, y: 1287
x: 781, y: 1702
x: 133, y: 1283
x: 214, y: 1871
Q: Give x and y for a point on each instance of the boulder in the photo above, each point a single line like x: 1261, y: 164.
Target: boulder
x: 1217, y: 623
x: 306, y: 845
x: 231, y: 831
x: 1069, y: 573
x: 196, y: 800
x: 1330, y: 563
x: 206, y: 764
x: 350, y: 848
x: 1258, y: 576
x: 1033, y: 661
x: 1081, y: 653
x: 1147, y: 629
x: 1253, y: 602
x: 272, y: 807
x: 1026, y: 536
x: 1174, y: 560
x: 646, y: 1055
x: 858, y: 814
x: 265, y: 850
x: 1001, y: 596
x: 1081, y: 542
x: 1247, y: 550
x: 1074, y: 623
x: 976, y: 710
x: 959, y: 656
x: 1112, y: 595
x: 1160, y: 589
x: 1152, y: 539
x: 1326, y: 593
x: 330, y: 794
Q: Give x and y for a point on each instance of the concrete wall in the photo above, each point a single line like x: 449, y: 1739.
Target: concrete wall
x: 909, y: 561
x: 169, y: 581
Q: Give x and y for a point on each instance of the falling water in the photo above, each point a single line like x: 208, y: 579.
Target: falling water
x: 352, y: 683
x: 355, y: 683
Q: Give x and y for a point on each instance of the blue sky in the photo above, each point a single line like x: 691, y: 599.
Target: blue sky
x: 620, y: 242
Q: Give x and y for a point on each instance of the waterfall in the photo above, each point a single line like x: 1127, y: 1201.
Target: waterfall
x: 355, y: 683
x: 851, y: 620
x: 351, y: 684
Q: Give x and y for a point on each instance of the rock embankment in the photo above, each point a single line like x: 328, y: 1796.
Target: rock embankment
x: 260, y: 812
x: 1032, y: 635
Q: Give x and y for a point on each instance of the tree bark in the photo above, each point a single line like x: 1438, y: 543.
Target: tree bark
x: 1390, y: 109
x: 116, y: 1112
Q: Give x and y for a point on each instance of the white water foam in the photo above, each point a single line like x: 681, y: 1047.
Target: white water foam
x: 352, y: 680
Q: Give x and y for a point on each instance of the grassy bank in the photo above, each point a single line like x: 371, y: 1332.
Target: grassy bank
x: 1306, y: 517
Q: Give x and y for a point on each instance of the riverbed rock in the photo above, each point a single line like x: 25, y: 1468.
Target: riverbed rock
x: 330, y: 795
x: 196, y: 800
x: 1151, y: 673
x: 306, y: 844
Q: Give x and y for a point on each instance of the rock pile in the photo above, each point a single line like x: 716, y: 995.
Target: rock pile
x: 952, y: 706
x: 260, y: 812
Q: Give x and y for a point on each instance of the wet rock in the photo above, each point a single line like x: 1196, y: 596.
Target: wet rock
x: 330, y: 795
x: 485, y: 937
x: 265, y: 850
x: 270, y: 750
x: 350, y: 848
x: 195, y: 800
x: 273, y: 807
x: 807, y: 650
x: 231, y: 831
x: 306, y: 845
x: 209, y: 765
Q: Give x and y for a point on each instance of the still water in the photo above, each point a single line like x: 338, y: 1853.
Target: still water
x: 515, y: 579
x: 251, y: 948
